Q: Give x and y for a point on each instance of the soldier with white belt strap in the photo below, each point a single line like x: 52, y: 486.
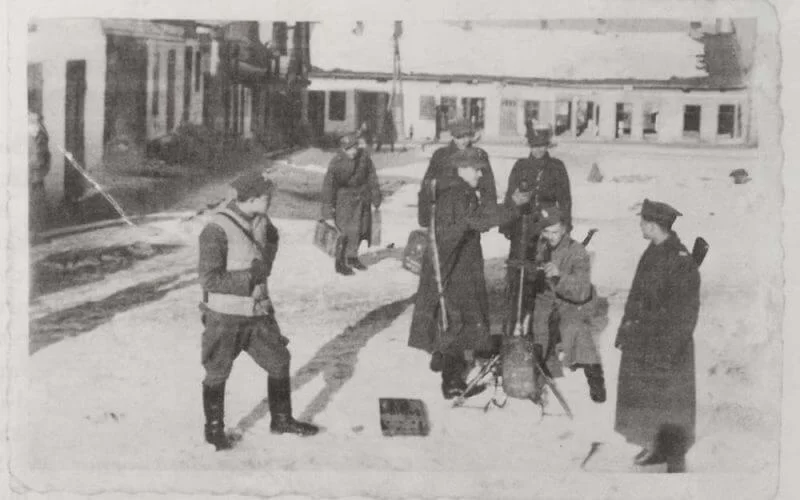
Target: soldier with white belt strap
x: 237, y: 249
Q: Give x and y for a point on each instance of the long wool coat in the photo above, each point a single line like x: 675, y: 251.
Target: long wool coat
x: 349, y: 188
x: 460, y: 218
x: 656, y: 388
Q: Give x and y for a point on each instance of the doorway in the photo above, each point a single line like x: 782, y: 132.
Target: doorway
x: 187, y: 83
x: 316, y: 112
x: 75, y: 99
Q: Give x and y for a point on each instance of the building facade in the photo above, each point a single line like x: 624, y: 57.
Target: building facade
x: 106, y: 93
x: 660, y: 112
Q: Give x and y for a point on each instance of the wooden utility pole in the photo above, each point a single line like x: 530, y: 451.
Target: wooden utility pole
x: 397, y: 103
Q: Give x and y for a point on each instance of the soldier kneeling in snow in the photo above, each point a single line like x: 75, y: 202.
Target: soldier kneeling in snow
x: 237, y: 249
x: 567, y: 292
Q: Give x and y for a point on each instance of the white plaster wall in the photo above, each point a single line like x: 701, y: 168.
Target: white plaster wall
x: 53, y: 44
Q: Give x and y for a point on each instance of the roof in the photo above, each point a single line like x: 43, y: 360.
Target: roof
x: 439, y: 48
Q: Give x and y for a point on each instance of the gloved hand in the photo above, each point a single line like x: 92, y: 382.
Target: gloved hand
x: 258, y: 271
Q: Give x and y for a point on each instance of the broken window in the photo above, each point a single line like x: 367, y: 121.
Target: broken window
x: 691, y: 120
x: 337, y: 106
x: 563, y: 116
x: 427, y: 107
x: 650, y: 120
x: 727, y: 119
x: 624, y: 112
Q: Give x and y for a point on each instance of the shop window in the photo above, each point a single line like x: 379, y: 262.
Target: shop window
x: 728, y: 121
x: 650, y: 120
x: 563, y: 116
x: 623, y: 121
x: 691, y: 120
x: 337, y: 106
x: 427, y: 107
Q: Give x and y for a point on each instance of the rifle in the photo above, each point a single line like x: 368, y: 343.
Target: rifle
x: 436, y: 357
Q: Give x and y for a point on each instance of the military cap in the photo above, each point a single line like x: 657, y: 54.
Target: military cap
x: 348, y: 141
x: 252, y: 185
x: 550, y: 216
x: 467, y: 158
x: 655, y: 211
x: 540, y: 137
x: 461, y: 127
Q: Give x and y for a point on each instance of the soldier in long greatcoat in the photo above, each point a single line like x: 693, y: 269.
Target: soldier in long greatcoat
x: 656, y: 399
x: 349, y: 191
x: 547, y: 178
x: 460, y: 218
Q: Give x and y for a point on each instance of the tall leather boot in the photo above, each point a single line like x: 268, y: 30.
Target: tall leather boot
x: 279, y: 394
x: 597, y: 383
x: 214, y: 409
x: 341, y: 261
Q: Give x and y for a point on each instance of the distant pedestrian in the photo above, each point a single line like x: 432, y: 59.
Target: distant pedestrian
x: 388, y: 134
x: 237, y: 251
x: 349, y: 191
x: 460, y: 218
x: 547, y: 177
x: 656, y: 396
x: 38, y: 168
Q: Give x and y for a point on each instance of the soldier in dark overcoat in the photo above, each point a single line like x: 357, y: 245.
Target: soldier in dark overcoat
x: 460, y: 218
x: 38, y: 167
x: 656, y: 399
x: 463, y: 134
x: 547, y: 178
x: 349, y: 191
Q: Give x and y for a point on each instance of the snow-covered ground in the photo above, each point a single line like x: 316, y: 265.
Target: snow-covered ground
x: 122, y: 402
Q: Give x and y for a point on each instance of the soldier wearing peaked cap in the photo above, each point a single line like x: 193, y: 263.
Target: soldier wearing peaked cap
x: 237, y: 251
x: 460, y: 218
x: 463, y: 134
x: 547, y: 178
x: 656, y: 400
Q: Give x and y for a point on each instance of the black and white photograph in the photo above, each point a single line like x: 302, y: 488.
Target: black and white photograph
x: 263, y: 251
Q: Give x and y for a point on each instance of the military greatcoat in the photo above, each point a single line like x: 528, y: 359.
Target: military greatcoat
x: 656, y: 387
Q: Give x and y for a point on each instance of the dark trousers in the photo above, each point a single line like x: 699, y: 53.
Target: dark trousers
x: 226, y: 336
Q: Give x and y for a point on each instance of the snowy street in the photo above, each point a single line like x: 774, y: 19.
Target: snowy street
x: 119, y: 395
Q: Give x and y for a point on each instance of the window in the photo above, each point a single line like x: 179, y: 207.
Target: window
x: 280, y: 38
x: 650, y: 120
x: 624, y: 112
x: 156, y: 83
x: 691, y: 121
x: 531, y: 111
x: 35, y: 84
x: 427, y: 107
x: 727, y: 120
x: 198, y: 71
x: 337, y: 106
x: 450, y: 105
